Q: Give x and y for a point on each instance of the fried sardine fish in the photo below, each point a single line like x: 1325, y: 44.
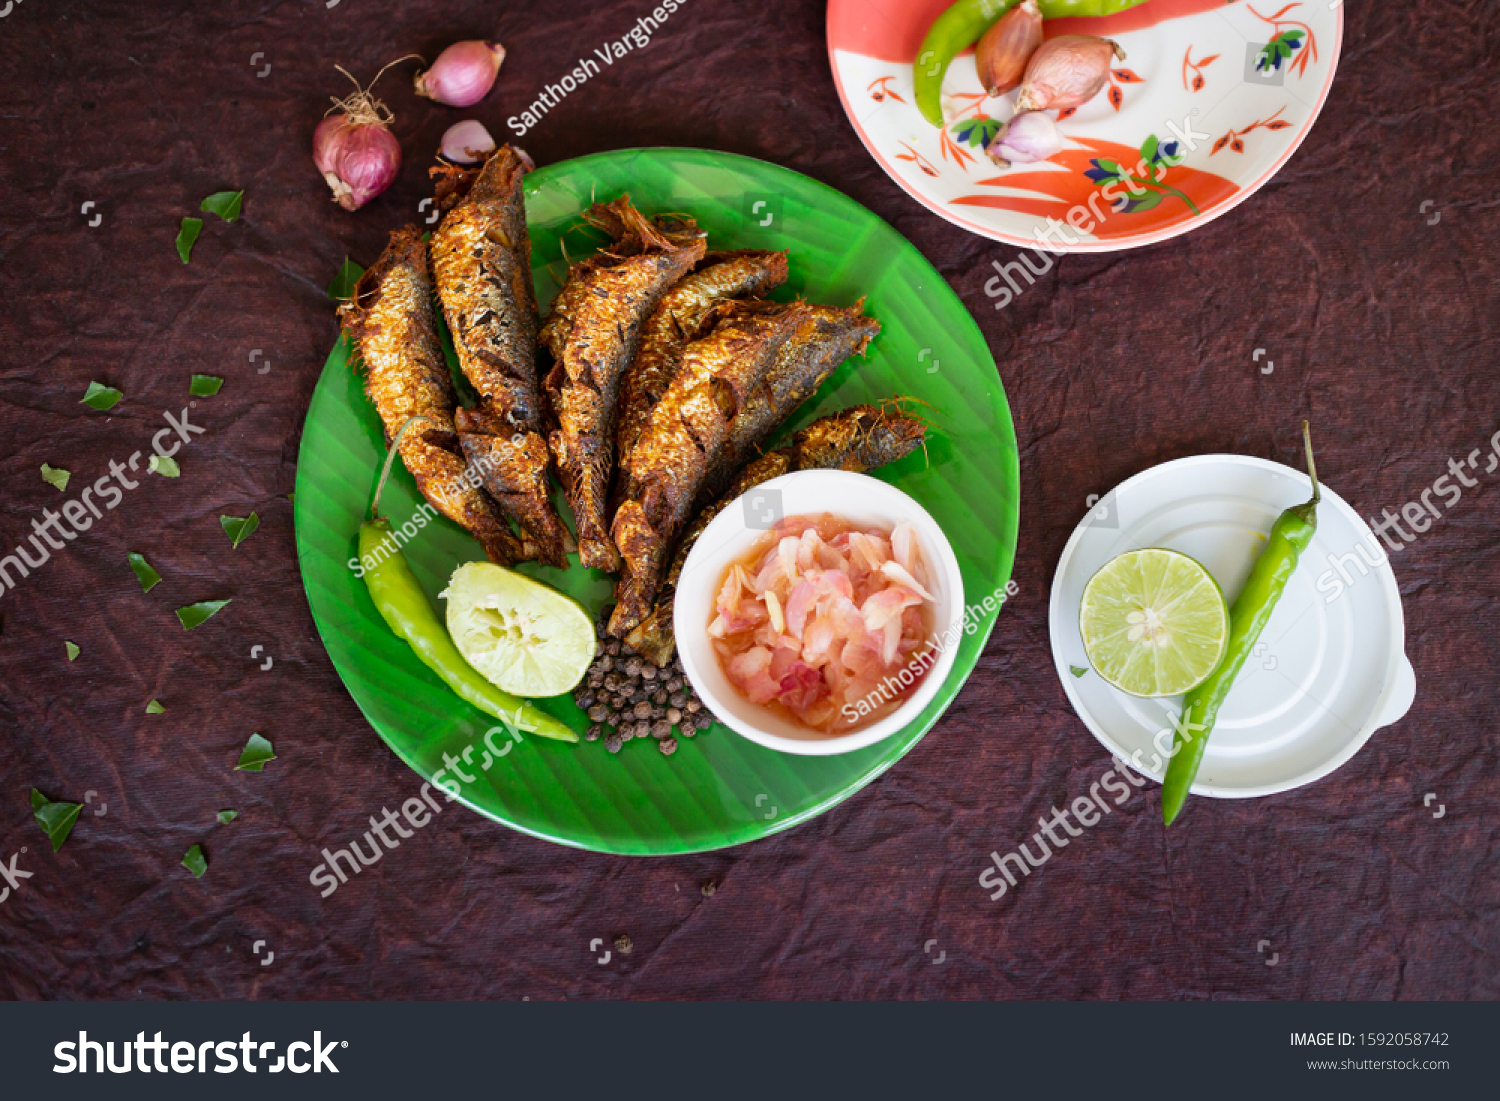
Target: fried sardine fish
x: 389, y: 320
x: 481, y: 262
x: 683, y: 440
x: 686, y: 312
x: 825, y: 339
x: 594, y: 333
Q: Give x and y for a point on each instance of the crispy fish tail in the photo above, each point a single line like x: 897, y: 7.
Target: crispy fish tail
x: 389, y: 319
x: 513, y: 467
x: 859, y: 439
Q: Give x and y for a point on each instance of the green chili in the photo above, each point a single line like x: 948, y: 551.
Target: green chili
x: 1084, y: 9
x: 1290, y: 536
x: 964, y: 24
x: 405, y: 607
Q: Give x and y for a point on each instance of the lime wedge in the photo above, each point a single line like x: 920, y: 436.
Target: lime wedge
x: 525, y: 637
x: 1154, y: 623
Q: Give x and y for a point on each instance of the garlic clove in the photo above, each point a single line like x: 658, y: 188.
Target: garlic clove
x: 462, y: 74
x: 1067, y: 71
x: 1028, y: 137
x: 466, y: 142
x: 1007, y: 46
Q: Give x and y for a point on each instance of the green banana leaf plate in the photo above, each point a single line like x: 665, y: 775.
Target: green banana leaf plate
x: 717, y: 789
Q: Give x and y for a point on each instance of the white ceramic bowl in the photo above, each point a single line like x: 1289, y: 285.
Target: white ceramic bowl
x: 854, y: 497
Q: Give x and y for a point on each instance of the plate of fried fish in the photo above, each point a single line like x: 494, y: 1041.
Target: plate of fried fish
x: 607, y: 353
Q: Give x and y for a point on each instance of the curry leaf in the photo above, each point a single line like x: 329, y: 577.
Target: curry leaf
x: 226, y: 204
x: 191, y: 227
x: 164, y: 465
x: 101, y: 397
x: 147, y: 576
x: 1077, y: 670
x: 227, y: 816
x: 72, y: 648
x: 239, y: 529
x: 195, y: 862
x: 343, y: 283
x: 194, y: 614
x: 56, y: 818
x: 155, y: 708
x: 205, y: 386
x: 256, y: 754
x: 56, y: 476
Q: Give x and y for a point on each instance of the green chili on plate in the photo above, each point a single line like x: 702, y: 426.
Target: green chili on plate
x: 1290, y: 536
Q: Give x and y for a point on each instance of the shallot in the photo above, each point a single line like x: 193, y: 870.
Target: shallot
x: 1067, y: 71
x: 462, y: 74
x: 355, y: 149
x: 827, y: 621
x: 1003, y: 52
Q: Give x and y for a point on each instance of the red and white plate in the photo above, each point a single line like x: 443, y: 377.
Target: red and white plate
x: 1211, y: 100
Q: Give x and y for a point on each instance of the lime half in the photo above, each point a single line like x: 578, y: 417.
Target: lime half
x: 1154, y: 623
x: 525, y: 637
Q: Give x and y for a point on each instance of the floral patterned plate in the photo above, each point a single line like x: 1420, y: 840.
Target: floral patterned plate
x: 1211, y: 100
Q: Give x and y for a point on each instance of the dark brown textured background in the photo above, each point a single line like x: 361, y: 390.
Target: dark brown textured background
x: 1382, y: 327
